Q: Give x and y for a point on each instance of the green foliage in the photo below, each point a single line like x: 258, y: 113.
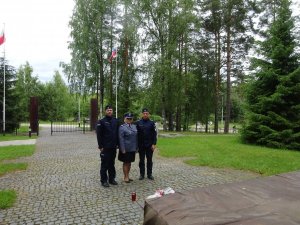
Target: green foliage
x: 93, y: 33
x: 167, y: 26
x: 274, y: 97
x: 57, y: 103
x: 7, y: 198
x: 26, y: 86
x: 156, y: 118
x: 227, y: 151
x: 11, y: 110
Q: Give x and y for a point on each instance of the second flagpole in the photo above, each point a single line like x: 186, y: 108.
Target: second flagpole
x: 116, y: 83
x: 4, y: 116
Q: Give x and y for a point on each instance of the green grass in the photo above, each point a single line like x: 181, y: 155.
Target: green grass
x: 226, y: 151
x: 7, y: 198
x: 23, y: 129
x: 16, y: 151
x: 12, y: 137
x: 11, y: 167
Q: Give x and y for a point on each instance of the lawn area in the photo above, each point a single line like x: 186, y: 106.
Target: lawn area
x: 12, y: 137
x: 7, y: 198
x: 227, y: 151
x: 14, y: 152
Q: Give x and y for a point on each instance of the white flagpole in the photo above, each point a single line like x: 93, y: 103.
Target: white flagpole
x: 116, y: 83
x: 4, y: 81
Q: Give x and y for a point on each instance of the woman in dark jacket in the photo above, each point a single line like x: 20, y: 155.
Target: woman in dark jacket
x: 127, y: 144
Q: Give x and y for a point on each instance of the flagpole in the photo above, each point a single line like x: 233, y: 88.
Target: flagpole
x: 4, y: 81
x: 116, y: 83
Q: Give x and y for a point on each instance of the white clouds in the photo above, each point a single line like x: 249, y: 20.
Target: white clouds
x: 37, y: 31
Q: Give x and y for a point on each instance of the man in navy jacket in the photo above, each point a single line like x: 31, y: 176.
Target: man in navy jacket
x: 107, y: 137
x: 147, y: 137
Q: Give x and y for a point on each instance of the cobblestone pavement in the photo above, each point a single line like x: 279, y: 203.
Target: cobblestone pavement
x: 61, y: 184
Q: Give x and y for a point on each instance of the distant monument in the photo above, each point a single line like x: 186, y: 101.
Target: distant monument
x: 33, y: 116
x: 94, y: 113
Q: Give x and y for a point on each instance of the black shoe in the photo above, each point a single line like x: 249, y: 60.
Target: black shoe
x: 113, y: 182
x: 105, y: 184
x: 150, y: 177
x: 141, y: 178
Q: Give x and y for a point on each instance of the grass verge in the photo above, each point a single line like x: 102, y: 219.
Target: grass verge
x: 12, y: 137
x: 227, y: 151
x: 7, y: 198
x: 11, y: 167
x: 16, y: 151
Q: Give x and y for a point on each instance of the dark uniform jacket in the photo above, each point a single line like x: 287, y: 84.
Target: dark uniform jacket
x: 107, y: 132
x: 147, y: 135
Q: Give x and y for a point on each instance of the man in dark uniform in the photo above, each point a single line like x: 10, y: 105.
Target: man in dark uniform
x: 146, y: 142
x: 107, y: 137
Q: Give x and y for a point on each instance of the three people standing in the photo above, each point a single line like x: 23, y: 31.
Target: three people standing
x: 129, y: 138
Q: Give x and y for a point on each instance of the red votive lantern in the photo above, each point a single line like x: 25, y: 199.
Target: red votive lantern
x: 133, y: 196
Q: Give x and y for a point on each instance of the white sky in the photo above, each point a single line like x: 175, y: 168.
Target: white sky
x: 36, y: 31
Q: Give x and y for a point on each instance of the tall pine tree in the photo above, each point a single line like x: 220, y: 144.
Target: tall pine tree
x: 274, y: 96
x: 11, y: 111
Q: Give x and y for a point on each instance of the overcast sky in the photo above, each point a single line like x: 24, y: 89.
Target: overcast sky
x: 37, y: 31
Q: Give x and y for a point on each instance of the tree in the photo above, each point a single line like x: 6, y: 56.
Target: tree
x: 167, y: 27
x: 228, y: 23
x: 27, y: 86
x: 213, y: 25
x: 274, y: 96
x: 90, y: 45
x: 237, y: 22
x: 57, y: 103
x: 127, y: 66
x: 11, y: 110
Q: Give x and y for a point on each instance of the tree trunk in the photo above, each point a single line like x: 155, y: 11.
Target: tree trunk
x: 228, y: 84
x: 110, y: 85
x: 178, y: 118
x: 217, y: 80
x: 171, y: 125
x: 126, y: 75
x: 179, y: 108
x: 126, y: 78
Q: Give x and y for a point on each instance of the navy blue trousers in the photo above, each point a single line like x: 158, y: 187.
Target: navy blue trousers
x: 107, y: 169
x: 148, y: 153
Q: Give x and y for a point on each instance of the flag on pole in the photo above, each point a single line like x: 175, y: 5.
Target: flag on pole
x: 113, y: 55
x: 2, y: 38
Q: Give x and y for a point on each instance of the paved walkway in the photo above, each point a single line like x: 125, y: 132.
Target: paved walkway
x: 61, y: 184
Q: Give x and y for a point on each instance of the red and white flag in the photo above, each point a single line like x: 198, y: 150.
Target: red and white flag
x: 113, y: 55
x: 2, y: 37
